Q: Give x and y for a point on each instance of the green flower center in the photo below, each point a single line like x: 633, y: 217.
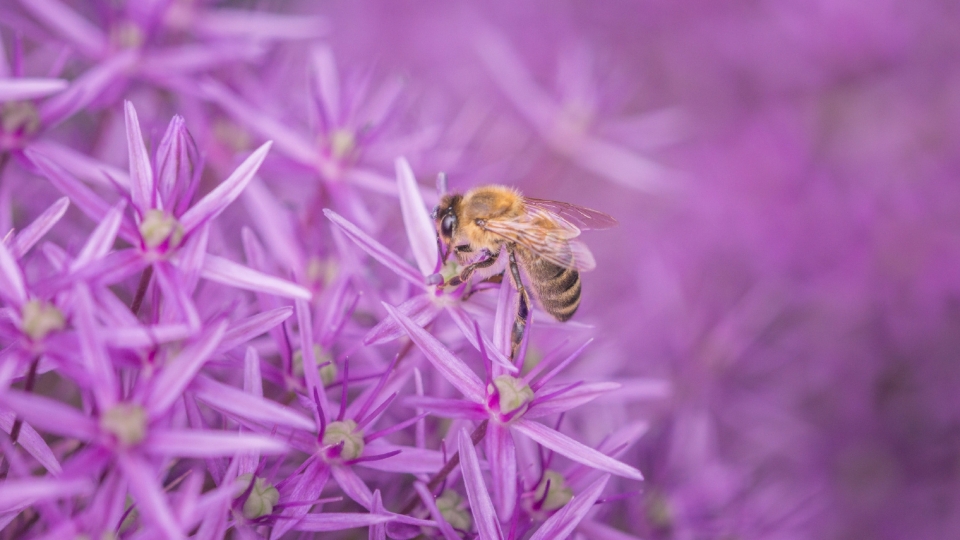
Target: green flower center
x: 454, y: 511
x: 513, y: 393
x: 328, y: 369
x: 40, y: 318
x: 552, y: 491
x: 127, y: 422
x: 263, y: 497
x: 347, y: 434
x: 19, y: 117
x: 342, y: 144
x: 158, y: 228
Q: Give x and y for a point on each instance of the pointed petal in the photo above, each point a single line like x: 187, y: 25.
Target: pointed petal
x: 32, y: 442
x: 308, y: 488
x: 202, y: 443
x: 243, y: 331
x: 466, y: 326
x: 275, y: 224
x: 574, y: 450
x: 233, y: 274
x: 448, y: 408
x: 311, y: 375
x: 450, y: 367
x: 50, y: 416
x: 102, y: 238
x: 430, y: 502
x: 332, y: 521
x: 421, y: 310
x: 24, y: 88
x: 11, y: 278
x: 80, y: 195
x: 480, y: 504
x: 32, y: 233
x: 151, y: 502
x: 19, y: 493
x: 353, y: 486
x: 177, y: 374
x: 416, y: 218
x: 502, y: 455
x: 259, y: 24
x: 83, y: 166
x: 238, y: 403
x: 576, y: 397
x: 213, y: 203
x: 93, y: 353
x: 562, y: 524
x: 375, y: 249
x: 378, y: 531
x: 143, y: 192
x: 177, y: 156
x: 135, y: 337
x: 326, y: 82
x: 410, y: 460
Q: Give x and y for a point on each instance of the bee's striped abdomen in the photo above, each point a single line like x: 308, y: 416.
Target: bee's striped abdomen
x: 557, y: 288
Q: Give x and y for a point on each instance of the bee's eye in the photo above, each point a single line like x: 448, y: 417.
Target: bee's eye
x: 447, y: 224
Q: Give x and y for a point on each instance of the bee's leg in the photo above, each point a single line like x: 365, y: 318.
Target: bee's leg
x: 469, y: 270
x: 523, y: 305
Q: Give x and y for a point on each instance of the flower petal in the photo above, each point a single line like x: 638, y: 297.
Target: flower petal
x: 480, y: 504
x: 236, y: 402
x: 87, y: 87
x: 151, y: 501
x: 177, y: 374
x: 32, y: 442
x: 562, y: 524
x: 11, y: 278
x: 26, y: 88
x: 234, y: 274
x: 333, y: 521
x: 353, y: 486
x: 32, y: 233
x: 502, y: 455
x: 576, y: 397
x: 421, y: 310
x: 50, y: 416
x: 244, y: 330
x: 143, y: 192
x: 102, y: 238
x: 375, y: 249
x: 574, y: 450
x: 213, y: 203
x: 450, y: 367
x: 469, y: 330
x: 416, y: 218
x: 19, y: 493
x: 202, y: 443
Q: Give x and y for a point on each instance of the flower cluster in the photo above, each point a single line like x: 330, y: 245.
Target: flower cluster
x: 213, y: 329
x: 225, y: 311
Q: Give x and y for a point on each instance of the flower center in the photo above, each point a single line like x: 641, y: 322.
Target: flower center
x: 342, y: 144
x: 328, y: 369
x: 40, y: 318
x: 343, y: 440
x: 160, y: 228
x: 128, y: 423
x: 552, y: 492
x: 19, y: 117
x: 512, y: 395
x: 454, y: 511
x: 262, y: 498
x: 127, y: 35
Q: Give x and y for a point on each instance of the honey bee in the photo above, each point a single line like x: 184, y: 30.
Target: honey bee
x: 493, y: 229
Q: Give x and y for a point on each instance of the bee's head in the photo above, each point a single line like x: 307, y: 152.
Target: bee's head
x: 445, y: 218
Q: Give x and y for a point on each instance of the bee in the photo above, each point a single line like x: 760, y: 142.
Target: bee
x: 494, y: 229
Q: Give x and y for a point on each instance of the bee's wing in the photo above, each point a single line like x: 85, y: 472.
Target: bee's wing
x: 578, y: 216
x: 551, y: 243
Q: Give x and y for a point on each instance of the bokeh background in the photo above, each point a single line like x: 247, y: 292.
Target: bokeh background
x: 781, y: 299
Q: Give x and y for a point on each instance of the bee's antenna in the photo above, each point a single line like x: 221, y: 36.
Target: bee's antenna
x: 441, y: 184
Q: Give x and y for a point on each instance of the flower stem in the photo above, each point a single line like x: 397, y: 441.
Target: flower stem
x: 438, y: 479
